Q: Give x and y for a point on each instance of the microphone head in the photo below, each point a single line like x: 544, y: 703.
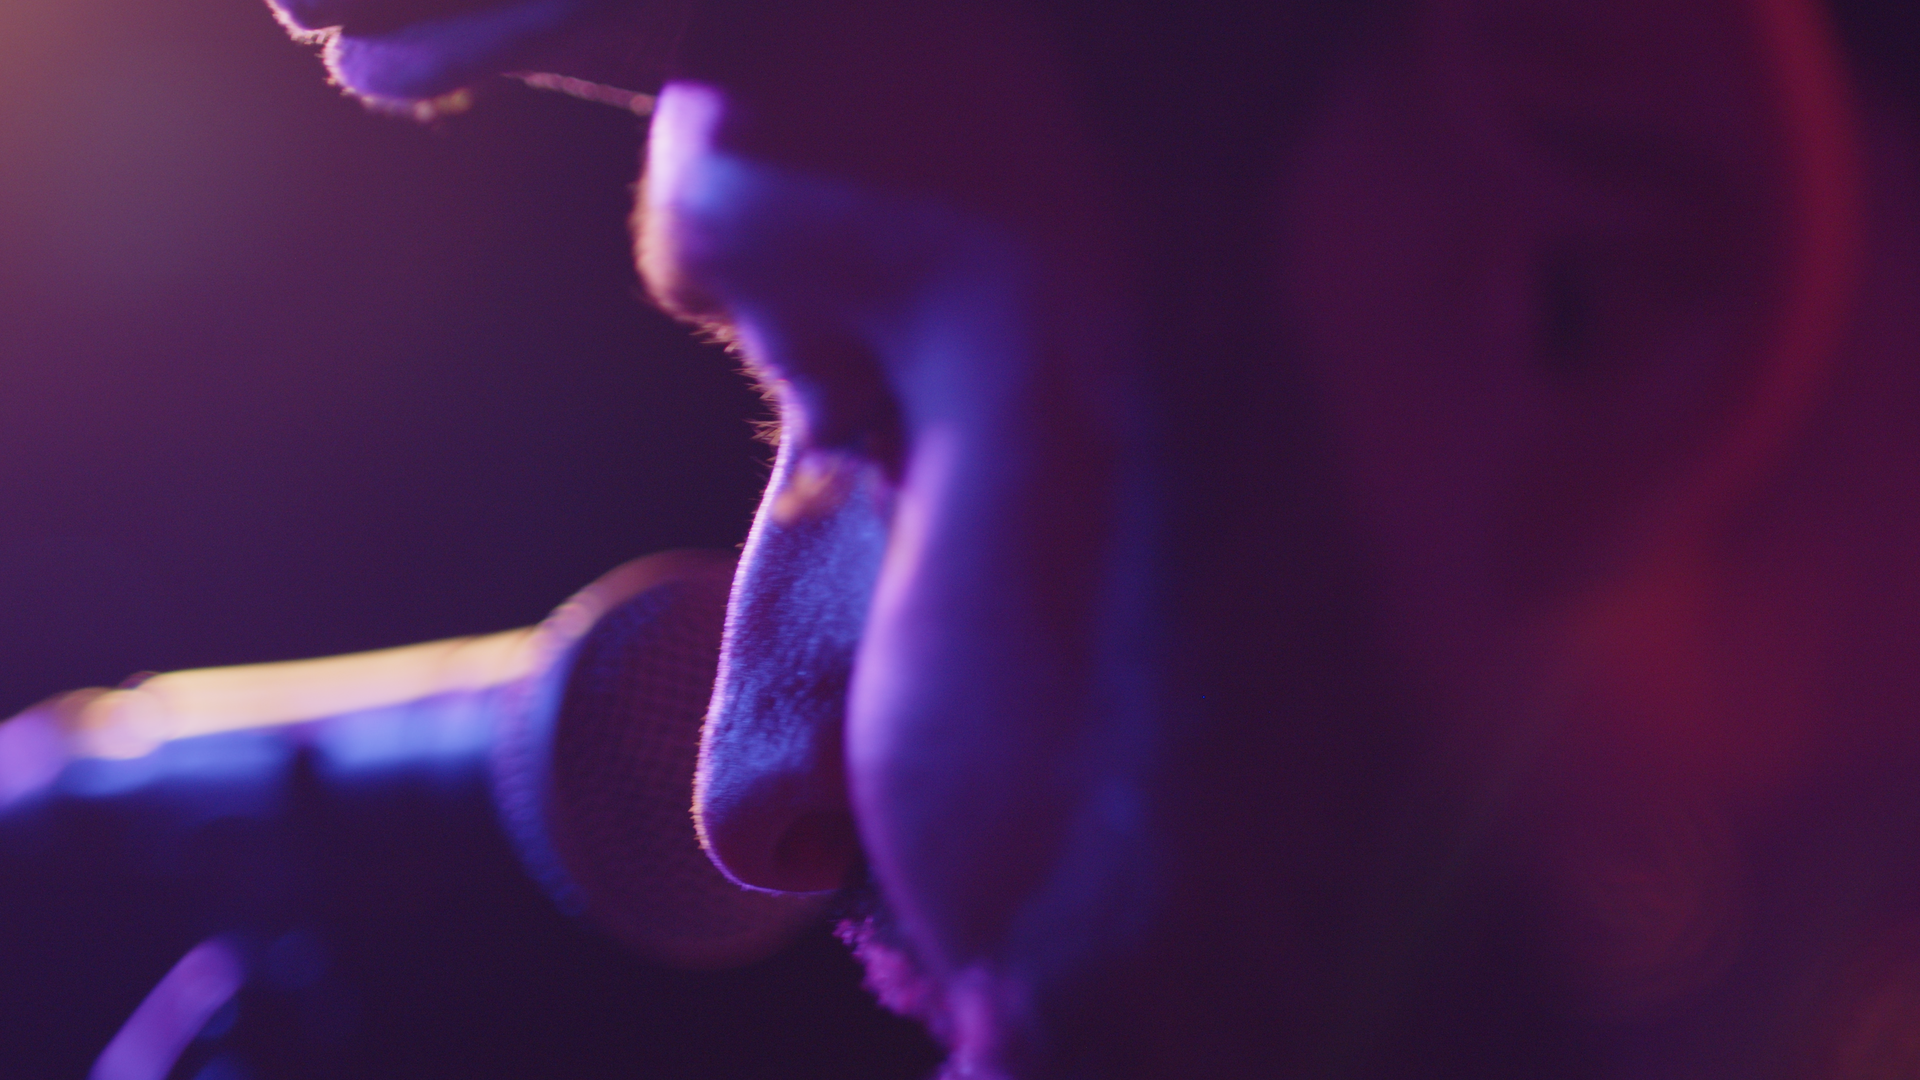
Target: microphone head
x: 593, y: 767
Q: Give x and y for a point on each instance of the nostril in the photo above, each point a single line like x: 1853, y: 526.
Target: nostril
x: 815, y: 853
x: 768, y: 836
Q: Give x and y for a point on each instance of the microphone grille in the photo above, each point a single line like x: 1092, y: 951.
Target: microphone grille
x: 593, y: 771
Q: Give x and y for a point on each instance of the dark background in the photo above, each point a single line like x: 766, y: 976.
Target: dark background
x: 280, y: 377
x: 283, y: 377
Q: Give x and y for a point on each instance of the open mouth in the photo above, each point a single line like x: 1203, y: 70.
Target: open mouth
x: 415, y: 50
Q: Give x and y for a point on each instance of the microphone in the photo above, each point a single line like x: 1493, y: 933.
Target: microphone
x: 593, y: 767
x: 590, y: 720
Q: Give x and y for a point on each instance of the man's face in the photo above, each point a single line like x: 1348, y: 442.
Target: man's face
x: 1092, y: 738
x: 1209, y: 600
x: 934, y: 659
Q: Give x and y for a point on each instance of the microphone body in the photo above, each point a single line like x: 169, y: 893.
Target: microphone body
x: 590, y: 722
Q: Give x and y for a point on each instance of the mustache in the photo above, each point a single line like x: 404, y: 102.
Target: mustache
x: 896, y: 973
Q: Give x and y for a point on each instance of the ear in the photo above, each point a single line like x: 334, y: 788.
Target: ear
x: 1696, y: 245
x: 1697, y: 234
x: 1695, y: 174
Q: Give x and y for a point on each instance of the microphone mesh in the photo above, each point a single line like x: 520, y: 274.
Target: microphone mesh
x: 594, y: 770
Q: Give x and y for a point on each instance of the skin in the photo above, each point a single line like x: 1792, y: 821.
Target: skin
x: 1447, y: 613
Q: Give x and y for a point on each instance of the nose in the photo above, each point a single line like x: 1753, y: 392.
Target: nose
x: 780, y: 830
x: 770, y: 793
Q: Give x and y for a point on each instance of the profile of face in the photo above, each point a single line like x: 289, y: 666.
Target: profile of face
x: 1312, y: 584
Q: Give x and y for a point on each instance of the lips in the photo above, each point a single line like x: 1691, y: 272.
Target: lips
x: 415, y: 50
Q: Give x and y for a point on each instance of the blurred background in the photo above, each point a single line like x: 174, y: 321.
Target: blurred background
x: 280, y: 377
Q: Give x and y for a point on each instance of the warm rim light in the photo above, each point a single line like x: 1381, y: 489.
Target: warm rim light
x: 206, y: 701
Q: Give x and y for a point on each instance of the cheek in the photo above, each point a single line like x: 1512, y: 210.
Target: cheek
x: 941, y: 731
x: 1407, y: 291
x: 984, y: 751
